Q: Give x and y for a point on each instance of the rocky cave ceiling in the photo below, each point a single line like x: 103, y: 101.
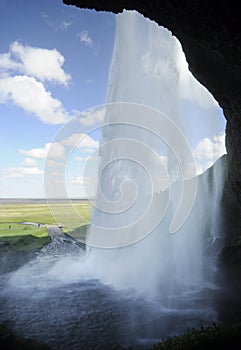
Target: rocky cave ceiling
x: 210, y: 33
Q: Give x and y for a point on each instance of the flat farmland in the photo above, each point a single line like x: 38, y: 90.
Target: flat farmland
x: 65, y: 213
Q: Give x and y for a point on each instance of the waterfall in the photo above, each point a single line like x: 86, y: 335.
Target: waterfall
x: 151, y: 209
x: 149, y: 268
x: 155, y: 228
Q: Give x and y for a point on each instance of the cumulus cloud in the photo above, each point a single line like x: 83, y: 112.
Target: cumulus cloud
x: 43, y: 64
x: 20, y: 172
x: 92, y: 116
x: 54, y: 164
x: 52, y: 150
x: 29, y: 162
x: 23, y: 72
x: 7, y: 63
x: 31, y: 171
x: 31, y: 95
x: 208, y: 151
x: 82, y: 141
x: 205, y: 154
x: 55, y: 152
x: 85, y: 38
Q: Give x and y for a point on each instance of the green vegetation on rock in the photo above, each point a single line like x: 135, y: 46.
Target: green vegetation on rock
x: 215, y: 337
x: 79, y: 232
x: 11, y: 230
x: 16, y: 250
x: 23, y: 243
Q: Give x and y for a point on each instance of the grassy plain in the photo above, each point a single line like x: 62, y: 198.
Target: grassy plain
x: 60, y: 213
x: 10, y: 230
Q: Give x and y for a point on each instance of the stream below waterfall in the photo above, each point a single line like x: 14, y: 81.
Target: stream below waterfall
x: 87, y: 314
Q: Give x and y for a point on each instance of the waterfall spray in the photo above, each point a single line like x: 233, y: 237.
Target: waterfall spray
x: 146, y: 155
x: 153, y: 216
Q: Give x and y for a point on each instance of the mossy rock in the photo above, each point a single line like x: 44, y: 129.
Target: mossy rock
x: 221, y: 337
x: 80, y: 232
x: 16, y: 251
x: 25, y: 242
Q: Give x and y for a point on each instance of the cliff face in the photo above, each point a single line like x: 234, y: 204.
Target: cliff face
x: 210, y: 34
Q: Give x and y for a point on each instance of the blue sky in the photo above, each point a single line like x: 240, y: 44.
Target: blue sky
x: 54, y: 64
x: 78, y: 45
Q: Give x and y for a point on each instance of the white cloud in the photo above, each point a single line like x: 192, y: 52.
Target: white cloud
x: 91, y: 158
x: 51, y: 150
x: 80, y: 180
x: 31, y: 95
x: 20, y: 172
x: 36, y: 65
x: 56, y: 151
x: 92, y: 116
x: 65, y: 25
x: 53, y: 164
x: 85, y: 38
x: 82, y: 141
x: 6, y: 63
x: 30, y: 162
x: 43, y: 64
x: 208, y: 151
x: 37, y: 152
x: 80, y: 159
x: 31, y: 171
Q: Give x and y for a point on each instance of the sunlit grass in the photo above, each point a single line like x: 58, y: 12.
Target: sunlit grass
x: 65, y: 214
x: 10, y: 230
x: 38, y: 213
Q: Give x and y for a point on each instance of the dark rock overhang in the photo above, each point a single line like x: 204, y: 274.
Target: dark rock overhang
x: 210, y: 34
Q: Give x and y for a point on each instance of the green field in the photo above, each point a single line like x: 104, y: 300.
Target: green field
x: 10, y: 230
x: 69, y: 216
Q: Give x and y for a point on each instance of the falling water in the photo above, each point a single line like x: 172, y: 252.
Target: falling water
x: 147, y: 167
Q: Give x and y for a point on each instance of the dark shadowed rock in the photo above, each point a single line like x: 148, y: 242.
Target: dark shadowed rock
x: 10, y: 341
